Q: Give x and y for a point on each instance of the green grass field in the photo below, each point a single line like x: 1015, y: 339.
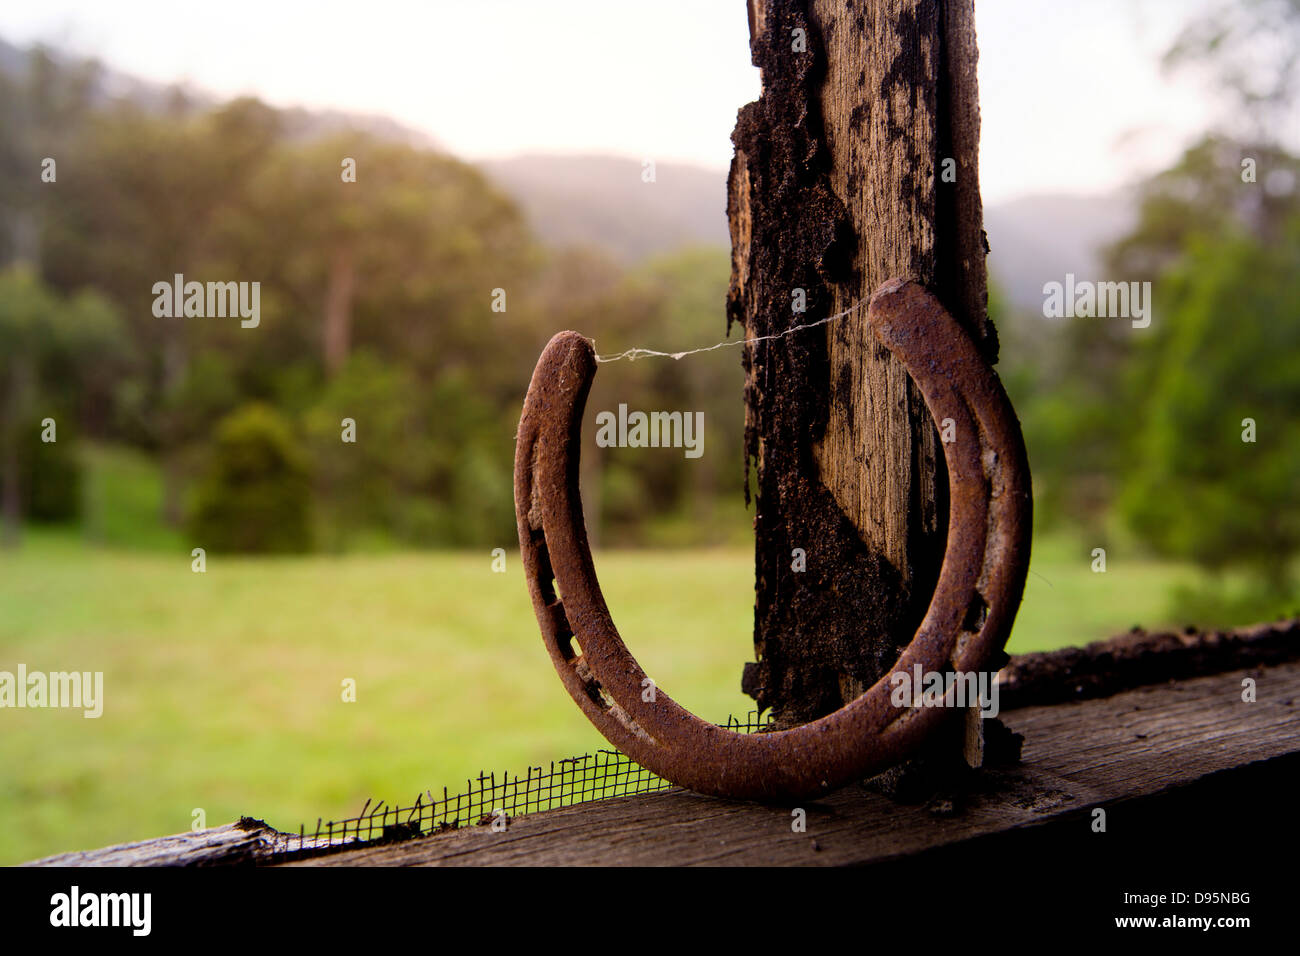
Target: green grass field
x: 223, y: 689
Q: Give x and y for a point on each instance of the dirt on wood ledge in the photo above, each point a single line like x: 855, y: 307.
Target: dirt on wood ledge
x: 1138, y: 658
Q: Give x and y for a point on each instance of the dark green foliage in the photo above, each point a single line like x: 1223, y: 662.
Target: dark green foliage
x: 51, y: 347
x: 1227, y: 353
x: 255, y: 495
x: 1147, y: 424
x: 51, y: 476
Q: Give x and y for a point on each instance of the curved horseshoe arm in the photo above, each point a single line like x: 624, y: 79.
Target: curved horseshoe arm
x: 968, y: 620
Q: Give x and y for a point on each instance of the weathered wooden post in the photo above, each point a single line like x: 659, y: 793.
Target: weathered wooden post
x: 858, y: 162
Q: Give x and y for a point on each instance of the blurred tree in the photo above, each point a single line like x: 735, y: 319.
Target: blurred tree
x: 46, y: 345
x: 1088, y: 429
x: 1225, y: 187
x: 152, y: 196
x: 1218, y: 244
x: 367, y: 450
x: 692, y: 285
x: 1250, y: 50
x: 403, y: 260
x: 43, y: 108
x: 256, y: 493
x: 1196, y: 487
x: 51, y: 476
x: 1203, y: 195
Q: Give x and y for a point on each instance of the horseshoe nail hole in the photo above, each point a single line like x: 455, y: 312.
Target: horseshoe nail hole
x: 591, y: 686
x: 976, y: 614
x: 605, y: 701
x: 564, y: 638
x: 545, y: 574
x: 545, y: 578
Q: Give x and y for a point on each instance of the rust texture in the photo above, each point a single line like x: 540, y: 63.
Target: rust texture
x: 964, y: 628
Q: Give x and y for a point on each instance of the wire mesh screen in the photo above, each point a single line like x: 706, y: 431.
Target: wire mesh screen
x: 490, y: 799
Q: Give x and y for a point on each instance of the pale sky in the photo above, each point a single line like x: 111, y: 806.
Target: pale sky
x: 1071, y: 96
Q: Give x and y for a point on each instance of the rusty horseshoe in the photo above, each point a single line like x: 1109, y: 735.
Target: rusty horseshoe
x: 967, y: 623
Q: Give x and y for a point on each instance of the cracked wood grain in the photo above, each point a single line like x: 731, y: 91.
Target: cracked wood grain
x: 837, y: 185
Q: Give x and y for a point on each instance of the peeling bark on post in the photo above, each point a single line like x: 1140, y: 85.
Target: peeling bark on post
x: 838, y: 184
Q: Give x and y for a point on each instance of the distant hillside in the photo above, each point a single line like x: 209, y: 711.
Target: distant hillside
x: 300, y: 123
x: 601, y: 201
x: 1037, y: 239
